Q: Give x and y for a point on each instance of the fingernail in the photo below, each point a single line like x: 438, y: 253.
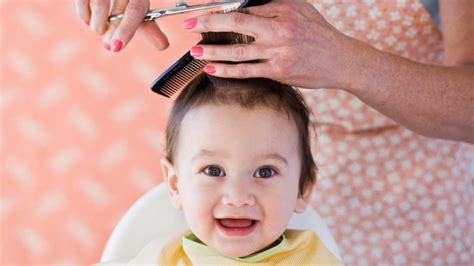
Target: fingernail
x: 88, y: 23
x: 190, y: 23
x: 197, y: 51
x: 116, y: 45
x: 209, y: 69
x: 107, y: 46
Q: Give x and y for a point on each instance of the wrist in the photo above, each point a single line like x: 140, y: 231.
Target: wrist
x: 366, y: 66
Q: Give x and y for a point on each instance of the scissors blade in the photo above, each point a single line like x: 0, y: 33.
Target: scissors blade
x: 182, y: 7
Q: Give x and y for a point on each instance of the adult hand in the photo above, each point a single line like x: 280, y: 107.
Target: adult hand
x: 293, y: 44
x: 117, y: 34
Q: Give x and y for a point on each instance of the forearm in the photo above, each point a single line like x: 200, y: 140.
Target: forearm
x: 435, y: 101
x: 295, y: 45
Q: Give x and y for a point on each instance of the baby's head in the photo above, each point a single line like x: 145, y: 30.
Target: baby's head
x: 238, y: 161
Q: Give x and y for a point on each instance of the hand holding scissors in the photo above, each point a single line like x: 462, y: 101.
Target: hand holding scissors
x: 128, y: 16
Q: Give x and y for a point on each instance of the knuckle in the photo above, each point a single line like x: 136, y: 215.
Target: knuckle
x: 239, y: 52
x: 98, y: 29
x: 210, y: 52
x: 287, y: 7
x: 243, y: 72
x: 280, y: 7
x: 292, y: 16
x: 136, y: 10
x: 288, y: 51
x: 281, y: 67
x: 224, y: 72
x: 266, y: 72
x: 118, y: 6
x: 288, y: 31
x: 292, y: 12
x: 274, y: 24
x: 293, y: 8
x: 99, y: 3
x: 236, y: 18
x: 281, y: 73
x: 203, y: 22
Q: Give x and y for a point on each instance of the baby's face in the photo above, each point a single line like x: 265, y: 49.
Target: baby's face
x: 237, y: 174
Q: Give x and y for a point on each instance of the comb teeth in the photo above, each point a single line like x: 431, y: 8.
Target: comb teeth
x: 178, y: 76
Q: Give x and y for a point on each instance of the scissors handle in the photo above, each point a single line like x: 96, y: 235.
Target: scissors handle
x: 181, y: 7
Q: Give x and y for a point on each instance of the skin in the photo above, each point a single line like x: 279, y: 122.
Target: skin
x: 95, y: 14
x: 434, y: 101
x: 238, y: 143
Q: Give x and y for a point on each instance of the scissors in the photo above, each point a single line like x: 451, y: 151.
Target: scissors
x: 182, y: 7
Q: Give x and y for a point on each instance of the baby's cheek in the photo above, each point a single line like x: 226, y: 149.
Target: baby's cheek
x: 279, y: 214
x: 200, y: 202
x: 200, y: 221
x: 195, y: 203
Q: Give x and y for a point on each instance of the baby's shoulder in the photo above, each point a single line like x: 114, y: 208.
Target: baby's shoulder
x: 295, y: 234
x: 305, y: 245
x: 151, y: 252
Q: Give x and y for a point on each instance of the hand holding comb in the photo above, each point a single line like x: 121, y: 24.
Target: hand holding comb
x: 187, y: 67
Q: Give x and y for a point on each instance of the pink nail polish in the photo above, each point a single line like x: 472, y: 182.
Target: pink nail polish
x: 88, y: 23
x: 190, y: 23
x: 116, y: 46
x: 197, y: 51
x: 209, y: 69
x: 107, y: 46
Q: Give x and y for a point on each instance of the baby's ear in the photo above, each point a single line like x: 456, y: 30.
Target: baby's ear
x: 303, y: 200
x: 171, y: 181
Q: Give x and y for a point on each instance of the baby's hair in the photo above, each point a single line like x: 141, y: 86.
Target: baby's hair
x: 249, y: 94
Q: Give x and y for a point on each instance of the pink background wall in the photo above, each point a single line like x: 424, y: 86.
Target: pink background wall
x: 81, y: 132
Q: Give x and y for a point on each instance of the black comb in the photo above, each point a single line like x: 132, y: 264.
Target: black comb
x: 187, y: 67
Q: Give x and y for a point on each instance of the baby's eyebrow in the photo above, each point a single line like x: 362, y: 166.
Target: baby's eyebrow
x: 204, y: 152
x: 275, y: 156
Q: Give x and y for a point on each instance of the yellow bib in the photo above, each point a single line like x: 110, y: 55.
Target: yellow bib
x: 297, y: 247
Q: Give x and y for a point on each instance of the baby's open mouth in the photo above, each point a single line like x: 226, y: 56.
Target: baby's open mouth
x: 236, y: 223
x: 236, y: 227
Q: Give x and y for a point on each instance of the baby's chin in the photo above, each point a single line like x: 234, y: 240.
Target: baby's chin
x: 239, y: 250
x: 236, y: 251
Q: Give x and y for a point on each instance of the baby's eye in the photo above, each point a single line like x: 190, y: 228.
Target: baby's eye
x: 213, y: 171
x: 265, y: 172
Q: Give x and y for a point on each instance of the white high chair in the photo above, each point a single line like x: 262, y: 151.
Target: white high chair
x: 151, y: 221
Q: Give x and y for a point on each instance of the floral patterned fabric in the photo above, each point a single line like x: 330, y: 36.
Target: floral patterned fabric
x: 389, y: 195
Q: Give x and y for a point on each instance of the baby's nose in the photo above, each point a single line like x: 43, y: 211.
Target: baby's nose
x: 238, y: 194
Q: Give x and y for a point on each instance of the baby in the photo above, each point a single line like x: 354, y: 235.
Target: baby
x: 238, y: 164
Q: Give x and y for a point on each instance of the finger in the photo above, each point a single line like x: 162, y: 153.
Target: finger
x: 99, y: 18
x: 239, y: 71
x: 83, y: 10
x: 118, y: 7
x: 154, y: 35
x: 133, y: 17
x: 235, y: 22
x: 108, y: 34
x: 234, y: 53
